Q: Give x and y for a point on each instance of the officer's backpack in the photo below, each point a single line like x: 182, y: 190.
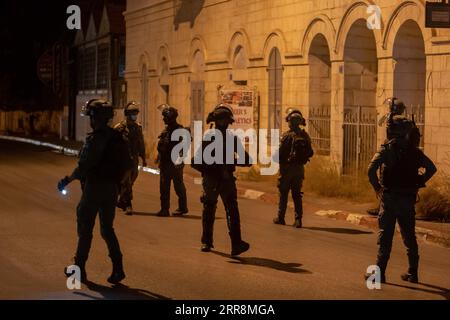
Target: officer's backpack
x: 401, y: 168
x: 301, y: 149
x: 403, y: 131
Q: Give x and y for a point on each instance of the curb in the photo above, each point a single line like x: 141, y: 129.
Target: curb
x: 62, y: 149
x: 367, y: 221
x: 428, y: 235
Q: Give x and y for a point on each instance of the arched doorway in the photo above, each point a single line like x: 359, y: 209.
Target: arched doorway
x: 410, y: 70
x: 360, y: 84
x: 275, y: 70
x: 320, y: 94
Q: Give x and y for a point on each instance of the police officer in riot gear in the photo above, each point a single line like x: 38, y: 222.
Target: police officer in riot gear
x: 399, y: 161
x: 218, y: 180
x: 396, y: 109
x: 170, y: 170
x: 294, y: 152
x: 97, y: 173
x: 132, y: 130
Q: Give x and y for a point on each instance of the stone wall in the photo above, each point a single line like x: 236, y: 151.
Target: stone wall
x: 365, y: 66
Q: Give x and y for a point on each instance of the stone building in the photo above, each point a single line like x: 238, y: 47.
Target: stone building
x: 99, y: 52
x: 319, y: 56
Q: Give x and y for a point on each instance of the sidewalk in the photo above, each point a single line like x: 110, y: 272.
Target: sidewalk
x: 266, y: 191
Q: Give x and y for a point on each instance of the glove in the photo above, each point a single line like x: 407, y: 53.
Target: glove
x: 63, y: 183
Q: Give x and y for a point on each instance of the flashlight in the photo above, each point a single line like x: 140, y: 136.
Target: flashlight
x: 64, y: 192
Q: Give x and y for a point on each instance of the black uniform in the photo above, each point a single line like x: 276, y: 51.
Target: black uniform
x: 170, y: 171
x: 398, y: 186
x: 218, y: 180
x: 133, y: 131
x: 100, y: 189
x: 295, y: 150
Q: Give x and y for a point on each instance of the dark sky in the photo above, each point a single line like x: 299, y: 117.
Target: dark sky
x: 27, y: 29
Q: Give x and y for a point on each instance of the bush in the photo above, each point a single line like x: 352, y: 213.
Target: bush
x: 434, y: 200
x: 323, y: 178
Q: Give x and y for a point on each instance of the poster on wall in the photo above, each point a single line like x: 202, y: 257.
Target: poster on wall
x: 242, y: 102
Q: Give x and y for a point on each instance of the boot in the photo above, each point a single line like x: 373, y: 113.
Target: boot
x: 297, y: 223
x: 180, y: 212
x: 298, y: 215
x: 382, y: 277
x: 206, y: 247
x: 279, y: 220
x: 240, y: 247
x: 410, y: 277
x: 82, y: 266
x: 117, y: 274
x: 163, y: 213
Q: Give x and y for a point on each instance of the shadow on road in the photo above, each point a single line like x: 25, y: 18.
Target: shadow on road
x: 119, y: 292
x: 154, y: 214
x: 444, y: 292
x: 339, y: 230
x: 263, y: 262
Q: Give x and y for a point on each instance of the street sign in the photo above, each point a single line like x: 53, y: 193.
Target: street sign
x: 45, y: 68
x: 437, y: 15
x: 50, y: 68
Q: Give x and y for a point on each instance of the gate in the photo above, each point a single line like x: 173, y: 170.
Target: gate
x: 319, y: 129
x: 360, y: 138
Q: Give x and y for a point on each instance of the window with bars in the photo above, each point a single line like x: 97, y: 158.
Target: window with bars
x: 102, y: 66
x: 275, y: 89
x: 80, y: 68
x: 89, y: 66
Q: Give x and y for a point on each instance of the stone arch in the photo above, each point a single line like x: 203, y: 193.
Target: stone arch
x: 163, y: 59
x: 357, y: 11
x: 143, y: 61
x: 275, y: 39
x: 239, y: 39
x: 408, y: 10
x: 197, y: 45
x: 321, y: 24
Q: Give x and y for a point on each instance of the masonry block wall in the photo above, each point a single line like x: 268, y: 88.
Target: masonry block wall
x: 329, y: 57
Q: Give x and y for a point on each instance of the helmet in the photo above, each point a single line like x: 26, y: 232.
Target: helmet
x: 168, y: 111
x: 131, y: 108
x: 221, y: 111
x: 396, y: 106
x: 98, y: 107
x: 295, y: 114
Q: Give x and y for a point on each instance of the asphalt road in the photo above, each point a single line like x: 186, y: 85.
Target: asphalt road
x: 324, y: 260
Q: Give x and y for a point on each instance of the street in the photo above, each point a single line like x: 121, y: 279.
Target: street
x: 325, y: 260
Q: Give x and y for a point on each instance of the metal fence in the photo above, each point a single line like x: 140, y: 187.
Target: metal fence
x: 320, y: 129
x: 360, y: 138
